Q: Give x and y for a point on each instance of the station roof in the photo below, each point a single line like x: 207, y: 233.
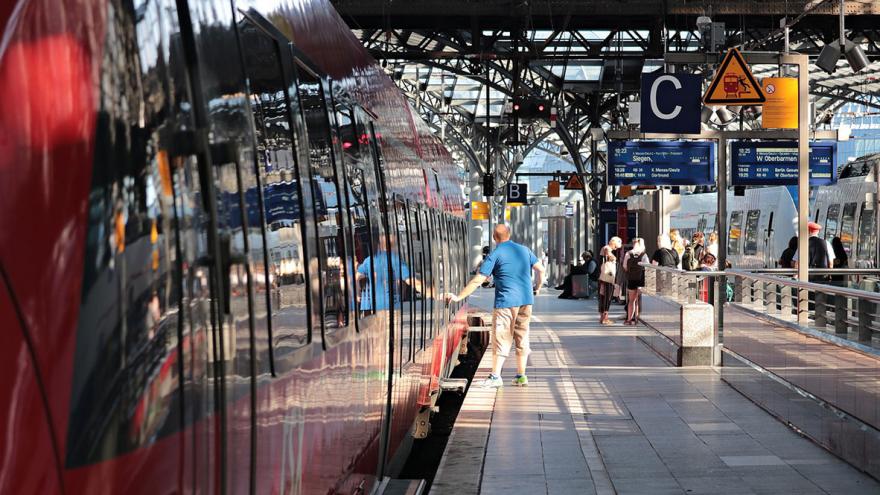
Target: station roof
x: 588, y: 56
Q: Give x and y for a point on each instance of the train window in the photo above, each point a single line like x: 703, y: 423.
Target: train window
x: 418, y: 247
x: 735, y: 236
x: 358, y: 207
x: 831, y: 222
x: 374, y: 269
x: 406, y: 283
x: 847, y: 225
x: 328, y: 220
x: 430, y: 269
x: 750, y: 245
x: 867, y: 235
x: 279, y: 179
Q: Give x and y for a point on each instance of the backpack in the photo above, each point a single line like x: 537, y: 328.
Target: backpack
x: 818, y: 253
x: 593, y: 270
x: 689, y: 260
x: 634, y: 271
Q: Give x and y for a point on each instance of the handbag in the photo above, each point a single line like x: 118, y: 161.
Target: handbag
x: 608, y: 272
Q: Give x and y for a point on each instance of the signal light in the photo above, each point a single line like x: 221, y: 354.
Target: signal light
x: 516, y: 107
x: 540, y: 108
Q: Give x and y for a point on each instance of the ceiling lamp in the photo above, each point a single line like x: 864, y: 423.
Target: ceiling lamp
x: 830, y: 54
x: 855, y: 56
x: 725, y: 116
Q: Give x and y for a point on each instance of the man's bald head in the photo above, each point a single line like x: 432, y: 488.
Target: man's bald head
x: 501, y: 233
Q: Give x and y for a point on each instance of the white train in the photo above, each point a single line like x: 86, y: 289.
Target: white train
x: 762, y: 222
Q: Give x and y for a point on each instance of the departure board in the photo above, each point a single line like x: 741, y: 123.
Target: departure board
x: 661, y: 163
x: 775, y: 163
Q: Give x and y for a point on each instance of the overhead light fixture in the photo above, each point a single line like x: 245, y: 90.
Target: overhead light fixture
x: 830, y: 54
x: 855, y: 56
x: 828, y: 58
x: 725, y: 116
x: 706, y: 114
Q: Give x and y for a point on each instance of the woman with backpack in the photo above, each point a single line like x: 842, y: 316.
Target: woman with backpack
x: 635, y: 278
x: 665, y: 255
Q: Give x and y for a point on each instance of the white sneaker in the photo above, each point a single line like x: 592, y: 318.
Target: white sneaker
x: 491, y: 382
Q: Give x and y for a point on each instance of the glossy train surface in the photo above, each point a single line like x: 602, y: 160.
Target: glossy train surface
x: 224, y: 238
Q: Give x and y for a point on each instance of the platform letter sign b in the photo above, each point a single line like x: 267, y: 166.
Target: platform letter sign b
x: 671, y: 103
x: 516, y: 193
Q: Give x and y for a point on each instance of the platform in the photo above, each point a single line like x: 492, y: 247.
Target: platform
x: 603, y: 414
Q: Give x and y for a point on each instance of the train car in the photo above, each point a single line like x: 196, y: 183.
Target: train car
x: 844, y: 211
x: 760, y: 223
x: 224, y: 240
x: 763, y: 220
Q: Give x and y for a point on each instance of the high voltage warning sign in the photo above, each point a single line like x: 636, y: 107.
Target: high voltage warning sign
x: 734, y: 83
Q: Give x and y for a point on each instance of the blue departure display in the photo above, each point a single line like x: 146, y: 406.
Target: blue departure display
x: 775, y: 163
x: 661, y: 163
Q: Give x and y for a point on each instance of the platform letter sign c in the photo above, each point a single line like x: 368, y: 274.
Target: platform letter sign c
x: 654, y: 108
x: 671, y: 103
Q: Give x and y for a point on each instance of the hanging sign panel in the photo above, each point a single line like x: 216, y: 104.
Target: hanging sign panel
x: 734, y: 83
x: 671, y: 103
x: 574, y: 183
x: 775, y: 163
x: 517, y: 193
x: 479, y: 210
x: 781, y: 108
x: 661, y: 163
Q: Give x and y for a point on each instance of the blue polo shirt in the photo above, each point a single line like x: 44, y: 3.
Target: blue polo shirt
x: 511, y: 266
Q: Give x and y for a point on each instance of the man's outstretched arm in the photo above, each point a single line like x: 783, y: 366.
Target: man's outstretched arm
x: 539, y: 276
x: 468, y: 289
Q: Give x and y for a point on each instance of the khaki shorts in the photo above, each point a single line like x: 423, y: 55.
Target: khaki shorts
x: 511, y: 326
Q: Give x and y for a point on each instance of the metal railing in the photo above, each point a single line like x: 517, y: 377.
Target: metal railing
x: 847, y: 312
x: 844, y: 302
x: 680, y: 285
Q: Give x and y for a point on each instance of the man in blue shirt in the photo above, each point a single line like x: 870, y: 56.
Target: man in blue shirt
x: 511, y: 265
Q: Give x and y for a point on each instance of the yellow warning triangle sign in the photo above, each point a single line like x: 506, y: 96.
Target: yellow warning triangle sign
x: 574, y: 183
x: 734, y: 83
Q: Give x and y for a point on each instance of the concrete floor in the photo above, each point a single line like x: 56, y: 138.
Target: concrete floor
x: 603, y: 414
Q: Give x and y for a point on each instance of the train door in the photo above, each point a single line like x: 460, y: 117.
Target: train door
x: 222, y: 146
x: 147, y: 305
x: 383, y: 276
x: 279, y: 259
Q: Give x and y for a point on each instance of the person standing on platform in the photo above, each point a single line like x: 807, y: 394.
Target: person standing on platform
x: 786, y: 260
x: 607, y: 277
x: 665, y: 255
x: 693, y: 253
x: 635, y: 279
x: 820, y: 254
x: 713, y: 240
x: 511, y: 265
x: 841, y: 260
x: 678, y: 244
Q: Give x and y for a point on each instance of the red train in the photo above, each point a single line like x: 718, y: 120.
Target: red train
x: 224, y: 238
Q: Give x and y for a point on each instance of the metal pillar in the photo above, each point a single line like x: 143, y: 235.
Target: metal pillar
x: 721, y: 222
x: 802, y: 62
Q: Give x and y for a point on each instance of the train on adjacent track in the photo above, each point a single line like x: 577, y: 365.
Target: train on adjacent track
x: 763, y: 220
x: 224, y: 240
